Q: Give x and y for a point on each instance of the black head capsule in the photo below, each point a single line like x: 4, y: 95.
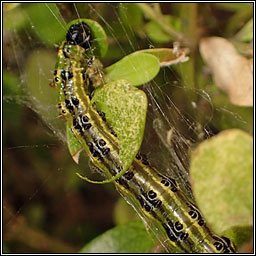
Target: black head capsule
x: 79, y: 34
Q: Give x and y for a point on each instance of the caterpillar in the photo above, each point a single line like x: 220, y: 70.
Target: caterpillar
x: 157, y: 199
x: 75, y: 75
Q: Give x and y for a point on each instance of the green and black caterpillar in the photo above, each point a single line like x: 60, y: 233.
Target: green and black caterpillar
x: 158, y: 199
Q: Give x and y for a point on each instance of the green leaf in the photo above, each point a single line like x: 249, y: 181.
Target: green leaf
x: 240, y: 235
x: 130, y: 14
x: 231, y: 116
x: 222, y: 179
x: 12, y: 93
x: 138, y: 69
x: 38, y: 73
x: 99, y: 44
x: 15, y: 19
x: 128, y: 238
x: 125, y: 107
x: 11, y: 84
x: 47, y: 23
x: 10, y: 6
x: 42, y: 98
x: 233, y: 6
x: 123, y: 212
x: 74, y: 146
x: 246, y: 33
x: 157, y: 34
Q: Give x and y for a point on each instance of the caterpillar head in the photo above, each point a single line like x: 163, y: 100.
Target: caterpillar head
x: 79, y: 34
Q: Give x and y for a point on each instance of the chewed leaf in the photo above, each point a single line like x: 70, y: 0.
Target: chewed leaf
x: 125, y: 107
x: 127, y: 120
x: 120, y: 239
x: 222, y: 180
x: 167, y: 56
x: 138, y: 69
x: 100, y: 44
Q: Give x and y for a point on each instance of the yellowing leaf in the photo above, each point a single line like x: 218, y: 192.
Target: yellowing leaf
x: 167, y: 56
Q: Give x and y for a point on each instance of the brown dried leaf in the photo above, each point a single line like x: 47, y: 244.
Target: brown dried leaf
x: 168, y: 56
x: 232, y: 72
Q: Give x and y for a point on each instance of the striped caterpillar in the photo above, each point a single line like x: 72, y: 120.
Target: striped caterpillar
x: 158, y: 199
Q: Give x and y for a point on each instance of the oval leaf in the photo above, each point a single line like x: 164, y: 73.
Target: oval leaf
x: 222, y: 180
x: 125, y: 107
x: 138, y: 69
x: 128, y: 238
